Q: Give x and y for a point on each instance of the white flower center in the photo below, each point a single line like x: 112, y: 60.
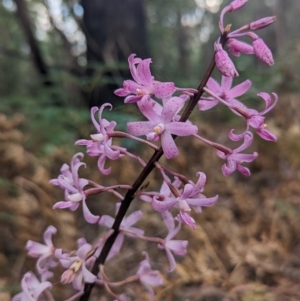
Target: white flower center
x: 76, y: 197
x: 159, y: 128
x: 97, y: 137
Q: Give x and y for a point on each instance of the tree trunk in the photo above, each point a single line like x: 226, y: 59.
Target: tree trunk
x: 23, y: 16
x: 114, y: 30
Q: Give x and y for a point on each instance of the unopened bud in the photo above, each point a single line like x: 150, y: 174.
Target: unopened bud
x: 225, y: 64
x: 237, y: 4
x: 261, y: 23
x: 237, y: 47
x: 262, y: 51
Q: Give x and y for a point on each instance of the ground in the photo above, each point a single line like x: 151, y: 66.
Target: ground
x: 245, y: 248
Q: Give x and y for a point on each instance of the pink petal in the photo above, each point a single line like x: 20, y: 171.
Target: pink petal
x: 139, y: 128
x: 236, y: 137
x: 62, y: 205
x: 187, y: 191
x: 83, y: 251
x: 168, y: 220
x: 110, y: 153
x: 245, y: 157
x: 132, y: 98
x: 247, y: 142
x: 256, y: 121
x: 205, y: 105
x: 186, y: 218
x: 36, y: 249
x: 172, y: 107
x: 201, y: 182
x: 78, y: 282
x: 243, y: 170
x: 230, y: 165
x: 48, y: 235
x: 116, y: 246
x: 168, y: 145
x: 268, y: 100
x: 96, y: 124
x: 87, y: 275
x: 163, y: 90
x: 226, y: 83
x: 144, y: 73
x: 88, y: 216
x: 266, y: 135
x: 132, y: 61
x: 240, y: 89
x: 164, y: 205
x: 213, y: 85
x: 133, y: 218
x: 40, y: 288
x: 181, y: 128
x: 171, y: 259
x: 148, y: 107
x: 178, y: 246
x: 207, y: 202
x: 101, y: 163
x: 121, y: 92
x: 106, y: 221
x: 227, y: 171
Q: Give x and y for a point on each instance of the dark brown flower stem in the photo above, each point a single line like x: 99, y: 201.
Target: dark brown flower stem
x: 130, y: 195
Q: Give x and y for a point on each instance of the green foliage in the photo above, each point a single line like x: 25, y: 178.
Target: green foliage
x: 57, y: 115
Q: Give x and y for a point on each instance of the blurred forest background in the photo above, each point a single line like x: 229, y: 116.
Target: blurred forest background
x: 60, y: 57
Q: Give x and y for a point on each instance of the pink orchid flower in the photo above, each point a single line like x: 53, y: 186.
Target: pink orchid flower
x: 224, y: 91
x: 163, y: 125
x: 101, y: 143
x: 235, y: 159
x: 144, y: 84
x: 78, y: 267
x: 73, y: 186
x: 256, y: 119
x: 178, y: 247
x: 43, y: 252
x: 126, y: 224
x: 147, y: 276
x: 32, y: 288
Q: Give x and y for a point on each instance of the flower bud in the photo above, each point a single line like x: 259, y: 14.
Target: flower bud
x: 225, y: 64
x: 237, y: 47
x: 262, y: 23
x: 262, y: 51
x: 237, y: 4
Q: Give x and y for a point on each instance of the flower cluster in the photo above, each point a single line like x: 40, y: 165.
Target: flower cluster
x: 236, y: 46
x: 179, y: 198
